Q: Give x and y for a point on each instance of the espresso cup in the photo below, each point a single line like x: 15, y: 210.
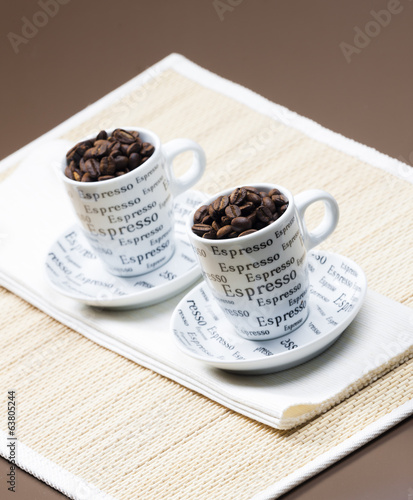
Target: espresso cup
x: 261, y: 280
x: 128, y: 220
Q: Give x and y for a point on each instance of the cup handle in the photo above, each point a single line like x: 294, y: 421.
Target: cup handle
x: 329, y: 222
x: 172, y: 149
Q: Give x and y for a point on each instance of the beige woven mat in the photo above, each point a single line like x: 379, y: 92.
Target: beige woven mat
x: 135, y: 434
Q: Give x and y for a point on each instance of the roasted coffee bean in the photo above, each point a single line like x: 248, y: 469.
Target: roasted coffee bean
x: 213, y: 213
x: 238, y: 196
x: 102, y: 135
x: 264, y: 214
x: 224, y: 232
x: 134, y: 161
x: 246, y: 210
x: 87, y: 178
x: 241, y: 224
x: 252, y: 217
x: 133, y: 148
x: 78, y: 150
x: 68, y: 172
x: 201, y: 229
x: 267, y: 202
x: 274, y: 192
x: 76, y: 176
x: 147, y: 149
x: 207, y: 220
x: 254, y: 198
x: 225, y: 220
x: 222, y: 205
x: 92, y: 167
x: 279, y: 200
x: 112, y: 155
x: 105, y: 177
x: 210, y: 235
x: 246, y: 233
x: 124, y: 149
x: 121, y: 162
x: 252, y: 189
x: 200, y: 214
x: 123, y: 136
x: 232, y: 211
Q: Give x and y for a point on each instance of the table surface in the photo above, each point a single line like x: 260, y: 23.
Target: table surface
x: 346, y: 65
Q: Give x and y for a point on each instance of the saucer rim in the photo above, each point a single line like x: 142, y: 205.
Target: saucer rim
x: 237, y: 364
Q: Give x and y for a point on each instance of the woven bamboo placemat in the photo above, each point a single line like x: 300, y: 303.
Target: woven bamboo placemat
x: 95, y: 413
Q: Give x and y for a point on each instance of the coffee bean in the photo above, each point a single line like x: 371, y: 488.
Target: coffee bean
x: 232, y: 211
x: 246, y: 233
x: 245, y: 211
x: 102, y: 135
x: 133, y: 148
x: 264, y: 214
x: 210, y: 235
x: 123, y: 136
x: 252, y: 189
x: 134, y: 160
x: 147, y: 149
x: 247, y: 208
x: 105, y: 177
x: 273, y: 192
x: 225, y: 220
x: 224, y: 231
x: 121, y: 162
x: 238, y: 196
x: 254, y: 198
x: 87, y: 178
x: 76, y: 176
x: 213, y: 213
x: 92, y: 167
x: 201, y: 229
x: 267, y: 202
x: 215, y: 226
x: 279, y: 200
x: 207, y: 220
x: 69, y: 172
x: 240, y: 224
x: 78, y: 151
x: 200, y: 214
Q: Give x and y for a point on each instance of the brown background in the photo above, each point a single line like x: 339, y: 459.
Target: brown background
x: 288, y: 51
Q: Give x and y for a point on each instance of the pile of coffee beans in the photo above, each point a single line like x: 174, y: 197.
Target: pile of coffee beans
x: 244, y: 211
x: 107, y: 156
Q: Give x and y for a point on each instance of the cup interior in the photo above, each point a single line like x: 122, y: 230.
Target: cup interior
x: 273, y: 225
x: 145, y: 134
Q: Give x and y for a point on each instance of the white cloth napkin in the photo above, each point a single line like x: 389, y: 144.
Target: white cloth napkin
x: 35, y: 210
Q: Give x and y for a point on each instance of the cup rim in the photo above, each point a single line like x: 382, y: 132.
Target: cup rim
x: 228, y: 242
x: 155, y: 141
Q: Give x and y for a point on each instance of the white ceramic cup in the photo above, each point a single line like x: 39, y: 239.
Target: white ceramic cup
x: 260, y: 280
x: 128, y: 220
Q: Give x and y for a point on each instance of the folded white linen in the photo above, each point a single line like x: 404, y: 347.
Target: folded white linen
x: 35, y: 211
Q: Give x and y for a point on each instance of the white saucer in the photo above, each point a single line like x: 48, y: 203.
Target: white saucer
x: 337, y: 290
x: 74, y: 270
